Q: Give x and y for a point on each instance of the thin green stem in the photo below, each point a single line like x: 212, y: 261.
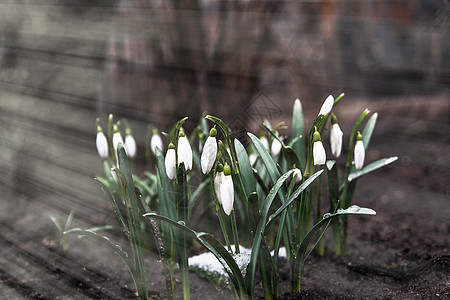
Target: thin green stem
x: 235, y: 232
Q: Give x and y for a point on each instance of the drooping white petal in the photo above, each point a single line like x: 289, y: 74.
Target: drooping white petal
x: 336, y: 139
x: 130, y: 146
x: 265, y: 142
x: 184, y: 152
x: 252, y: 158
x: 170, y: 164
x: 359, y: 154
x: 327, y: 105
x: 298, y: 173
x: 227, y: 191
x: 218, y: 180
x: 209, y: 154
x: 276, y: 147
x: 102, y: 144
x: 117, y: 138
x: 319, y: 153
x: 156, y: 141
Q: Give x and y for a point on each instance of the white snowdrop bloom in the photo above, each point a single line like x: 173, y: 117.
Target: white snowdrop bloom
x: 102, y: 143
x: 359, y: 152
x: 298, y: 173
x: 218, y: 180
x: 227, y: 190
x: 169, y: 162
x: 117, y: 138
x: 130, y: 146
x: 184, y: 151
x: 265, y: 142
x: 319, y: 154
x: 327, y: 105
x: 209, y: 152
x: 336, y: 135
x: 252, y: 158
x: 156, y: 141
x: 276, y: 147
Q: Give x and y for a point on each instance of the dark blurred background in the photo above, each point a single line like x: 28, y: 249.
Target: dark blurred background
x: 65, y: 62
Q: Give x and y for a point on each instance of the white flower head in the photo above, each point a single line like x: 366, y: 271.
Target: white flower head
x: 327, y: 105
x: 319, y: 154
x: 227, y: 190
x: 156, y: 141
x: 298, y: 173
x: 169, y: 162
x: 184, y: 151
x: 117, y: 139
x: 252, y: 158
x: 130, y: 143
x: 264, y: 141
x: 275, y: 147
x: 336, y: 135
x: 218, y: 180
x: 209, y: 152
x: 359, y: 152
x: 102, y: 143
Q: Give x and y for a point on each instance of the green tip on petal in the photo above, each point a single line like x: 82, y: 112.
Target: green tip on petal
x: 181, y: 133
x: 227, y: 170
x: 171, y: 146
x: 316, y: 136
x: 333, y: 119
x: 213, y: 132
x: 359, y: 137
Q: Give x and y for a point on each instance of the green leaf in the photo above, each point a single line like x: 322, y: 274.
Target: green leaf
x: 333, y: 182
x: 303, y: 247
x: 246, y: 171
x: 294, y: 196
x: 368, y: 130
x: 298, y: 133
x: 372, y: 167
x: 251, y: 269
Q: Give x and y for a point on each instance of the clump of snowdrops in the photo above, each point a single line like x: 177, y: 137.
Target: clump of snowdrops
x: 267, y: 194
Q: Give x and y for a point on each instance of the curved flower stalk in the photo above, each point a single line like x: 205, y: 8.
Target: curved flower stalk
x: 101, y: 142
x: 336, y: 135
x: 156, y: 141
x: 184, y: 150
x: 170, y: 162
x: 130, y: 143
x: 359, y: 152
x: 318, y: 149
x: 327, y: 106
x: 209, y: 152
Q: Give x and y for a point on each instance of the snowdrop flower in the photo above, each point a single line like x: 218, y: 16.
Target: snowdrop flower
x: 184, y: 151
x: 252, y: 158
x: 101, y: 142
x: 117, y: 138
x: 227, y: 190
x: 156, y: 141
x: 130, y: 143
x: 169, y: 162
x: 319, y: 154
x: 209, y: 152
x: 359, y: 152
x: 276, y: 147
x: 264, y: 141
x: 298, y: 173
x: 335, y: 137
x: 218, y: 180
x: 327, y: 105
